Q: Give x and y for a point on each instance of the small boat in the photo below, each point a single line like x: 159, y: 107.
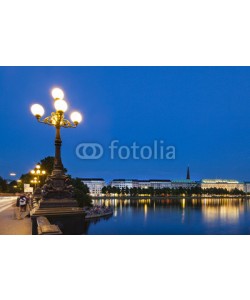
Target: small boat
x: 97, y: 216
x: 98, y: 212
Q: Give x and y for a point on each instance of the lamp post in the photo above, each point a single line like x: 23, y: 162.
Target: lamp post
x: 38, y: 172
x: 57, y: 185
x: 57, y: 120
x: 56, y: 198
x: 35, y: 181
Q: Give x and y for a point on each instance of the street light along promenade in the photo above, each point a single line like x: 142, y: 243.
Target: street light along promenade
x: 37, y: 172
x: 57, y: 120
x: 57, y: 185
x: 56, y: 196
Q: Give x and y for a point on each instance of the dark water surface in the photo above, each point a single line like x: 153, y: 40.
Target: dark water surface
x: 206, y: 216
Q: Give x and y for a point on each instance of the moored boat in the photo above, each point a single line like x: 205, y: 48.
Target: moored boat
x: 98, y: 212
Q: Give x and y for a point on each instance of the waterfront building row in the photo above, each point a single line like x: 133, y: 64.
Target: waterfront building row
x: 97, y: 184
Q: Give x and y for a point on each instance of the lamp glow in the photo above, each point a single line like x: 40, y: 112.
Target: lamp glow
x: 61, y: 105
x: 57, y: 94
x: 37, y: 110
x: 76, y: 117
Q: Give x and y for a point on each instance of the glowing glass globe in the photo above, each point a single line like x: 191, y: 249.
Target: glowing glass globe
x: 61, y: 105
x: 37, y: 110
x: 76, y: 117
x: 57, y: 93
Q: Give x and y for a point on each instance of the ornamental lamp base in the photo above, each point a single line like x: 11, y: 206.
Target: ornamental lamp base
x: 58, y: 206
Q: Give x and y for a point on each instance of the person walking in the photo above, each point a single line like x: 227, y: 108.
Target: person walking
x: 27, y: 202
x: 18, y: 213
x: 23, y: 203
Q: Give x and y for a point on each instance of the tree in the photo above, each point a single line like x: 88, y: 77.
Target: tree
x: 81, y: 192
x: 126, y: 190
x: 26, y: 178
x: 236, y: 192
x: 15, y: 187
x: 109, y: 189
x: 104, y: 190
x: 47, y: 164
x: 3, y: 185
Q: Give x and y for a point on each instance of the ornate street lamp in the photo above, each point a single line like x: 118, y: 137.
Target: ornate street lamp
x: 57, y: 185
x: 38, y: 172
x: 35, y: 181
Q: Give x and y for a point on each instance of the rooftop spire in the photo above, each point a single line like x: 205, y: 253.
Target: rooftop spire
x: 188, y: 174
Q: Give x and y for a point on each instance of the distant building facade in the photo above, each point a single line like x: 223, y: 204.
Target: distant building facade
x: 143, y: 184
x: 124, y: 183
x: 95, y: 185
x: 247, y: 187
x: 185, y: 184
x: 160, y: 183
x: 228, y: 184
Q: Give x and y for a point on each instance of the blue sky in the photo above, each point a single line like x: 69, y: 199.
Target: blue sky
x: 202, y: 111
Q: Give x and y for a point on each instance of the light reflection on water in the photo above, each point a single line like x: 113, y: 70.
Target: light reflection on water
x: 229, y: 210
x: 145, y: 211
x: 179, y: 216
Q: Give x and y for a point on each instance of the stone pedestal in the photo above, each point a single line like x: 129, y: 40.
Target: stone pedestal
x: 58, y: 206
x: 57, y: 187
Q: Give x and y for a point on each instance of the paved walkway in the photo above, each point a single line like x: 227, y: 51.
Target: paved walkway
x: 9, y: 224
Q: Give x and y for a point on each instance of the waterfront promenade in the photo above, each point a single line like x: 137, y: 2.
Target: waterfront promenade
x: 9, y: 224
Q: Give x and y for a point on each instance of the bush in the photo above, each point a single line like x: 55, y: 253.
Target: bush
x: 82, y: 198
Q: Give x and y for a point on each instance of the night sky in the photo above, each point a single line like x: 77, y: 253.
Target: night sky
x: 202, y: 111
